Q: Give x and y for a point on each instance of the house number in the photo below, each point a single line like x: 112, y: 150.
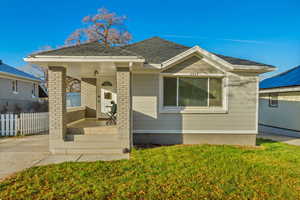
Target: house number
x: 195, y: 74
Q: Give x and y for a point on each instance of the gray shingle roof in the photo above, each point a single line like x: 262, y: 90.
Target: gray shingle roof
x: 88, y: 49
x: 154, y: 50
x: 239, y: 61
x: 4, y: 68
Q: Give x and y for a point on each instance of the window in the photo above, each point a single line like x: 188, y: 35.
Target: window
x: 33, y: 91
x: 192, y: 92
x: 15, y: 86
x: 273, y: 100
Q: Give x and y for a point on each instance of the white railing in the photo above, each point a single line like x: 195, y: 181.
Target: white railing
x: 23, y: 124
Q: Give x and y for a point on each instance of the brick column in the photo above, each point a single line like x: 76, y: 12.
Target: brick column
x: 57, y: 106
x: 124, y: 107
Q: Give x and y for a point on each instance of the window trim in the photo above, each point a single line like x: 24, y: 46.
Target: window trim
x: 193, y: 109
x: 271, y: 105
x: 33, y: 91
x: 14, y: 86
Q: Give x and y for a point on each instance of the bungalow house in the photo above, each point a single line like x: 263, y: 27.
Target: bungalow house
x: 18, y: 90
x: 280, y: 103
x: 166, y: 93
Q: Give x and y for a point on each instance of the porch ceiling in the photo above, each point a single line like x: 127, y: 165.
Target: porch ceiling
x: 79, y: 70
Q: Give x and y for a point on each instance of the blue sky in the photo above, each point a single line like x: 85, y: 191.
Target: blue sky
x: 267, y: 31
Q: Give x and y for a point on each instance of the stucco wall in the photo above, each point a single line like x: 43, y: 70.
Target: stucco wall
x: 23, y: 98
x: 286, y: 115
x: 88, y: 96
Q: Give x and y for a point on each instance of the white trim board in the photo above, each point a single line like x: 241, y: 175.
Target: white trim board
x: 196, y: 131
x: 84, y: 59
x: 17, y: 77
x: 177, y: 109
x: 275, y: 90
x: 202, y: 52
x: 257, y: 103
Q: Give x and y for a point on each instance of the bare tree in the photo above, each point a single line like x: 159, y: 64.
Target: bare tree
x: 105, y: 27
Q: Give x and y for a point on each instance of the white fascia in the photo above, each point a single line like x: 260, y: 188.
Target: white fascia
x: 210, y: 58
x: 202, y: 52
x: 84, y: 59
x: 254, y: 68
x: 278, y: 90
x: 21, y: 78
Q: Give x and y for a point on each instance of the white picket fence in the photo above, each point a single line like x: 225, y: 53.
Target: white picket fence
x: 23, y: 124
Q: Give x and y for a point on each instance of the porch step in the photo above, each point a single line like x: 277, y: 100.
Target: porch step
x: 93, y: 137
x: 92, y: 145
x: 93, y: 130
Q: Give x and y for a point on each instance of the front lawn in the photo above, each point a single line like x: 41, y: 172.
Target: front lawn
x: 271, y: 171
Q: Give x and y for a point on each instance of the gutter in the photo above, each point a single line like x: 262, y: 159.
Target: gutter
x: 84, y: 59
x: 20, y: 77
x: 253, y: 68
x: 281, y: 89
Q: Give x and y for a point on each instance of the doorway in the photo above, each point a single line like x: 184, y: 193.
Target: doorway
x: 107, y: 92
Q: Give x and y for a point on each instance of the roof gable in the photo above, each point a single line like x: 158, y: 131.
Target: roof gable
x: 193, y: 64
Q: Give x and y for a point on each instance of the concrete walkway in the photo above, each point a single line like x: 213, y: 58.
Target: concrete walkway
x: 19, y: 153
x: 280, y: 138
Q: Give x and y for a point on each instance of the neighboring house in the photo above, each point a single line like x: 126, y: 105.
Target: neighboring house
x: 166, y: 93
x: 19, y: 91
x: 280, y: 103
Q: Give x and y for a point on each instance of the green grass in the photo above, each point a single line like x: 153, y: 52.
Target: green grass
x: 271, y: 171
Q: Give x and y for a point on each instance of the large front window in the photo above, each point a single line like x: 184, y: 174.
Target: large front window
x: 192, y: 92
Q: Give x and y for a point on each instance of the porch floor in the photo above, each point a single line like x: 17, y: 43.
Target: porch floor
x: 91, y: 126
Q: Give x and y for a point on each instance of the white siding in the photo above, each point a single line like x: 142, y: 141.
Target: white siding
x: 241, y: 114
x: 286, y: 115
x: 23, y: 98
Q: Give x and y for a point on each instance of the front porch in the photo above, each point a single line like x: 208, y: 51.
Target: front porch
x: 83, y: 130
x: 89, y: 126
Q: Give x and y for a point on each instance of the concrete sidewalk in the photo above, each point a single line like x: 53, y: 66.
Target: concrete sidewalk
x: 280, y: 138
x: 19, y: 153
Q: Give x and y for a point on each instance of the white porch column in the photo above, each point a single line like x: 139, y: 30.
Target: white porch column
x: 124, y: 107
x: 57, y: 106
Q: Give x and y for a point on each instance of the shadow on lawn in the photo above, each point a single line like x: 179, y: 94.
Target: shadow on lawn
x: 261, y: 141
x: 150, y: 146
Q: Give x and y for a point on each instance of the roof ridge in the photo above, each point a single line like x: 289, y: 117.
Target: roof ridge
x: 155, y: 37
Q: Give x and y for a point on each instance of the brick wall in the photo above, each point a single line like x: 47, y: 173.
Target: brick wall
x: 57, y: 105
x: 124, y: 106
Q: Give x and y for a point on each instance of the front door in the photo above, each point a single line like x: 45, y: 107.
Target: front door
x: 107, y: 90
